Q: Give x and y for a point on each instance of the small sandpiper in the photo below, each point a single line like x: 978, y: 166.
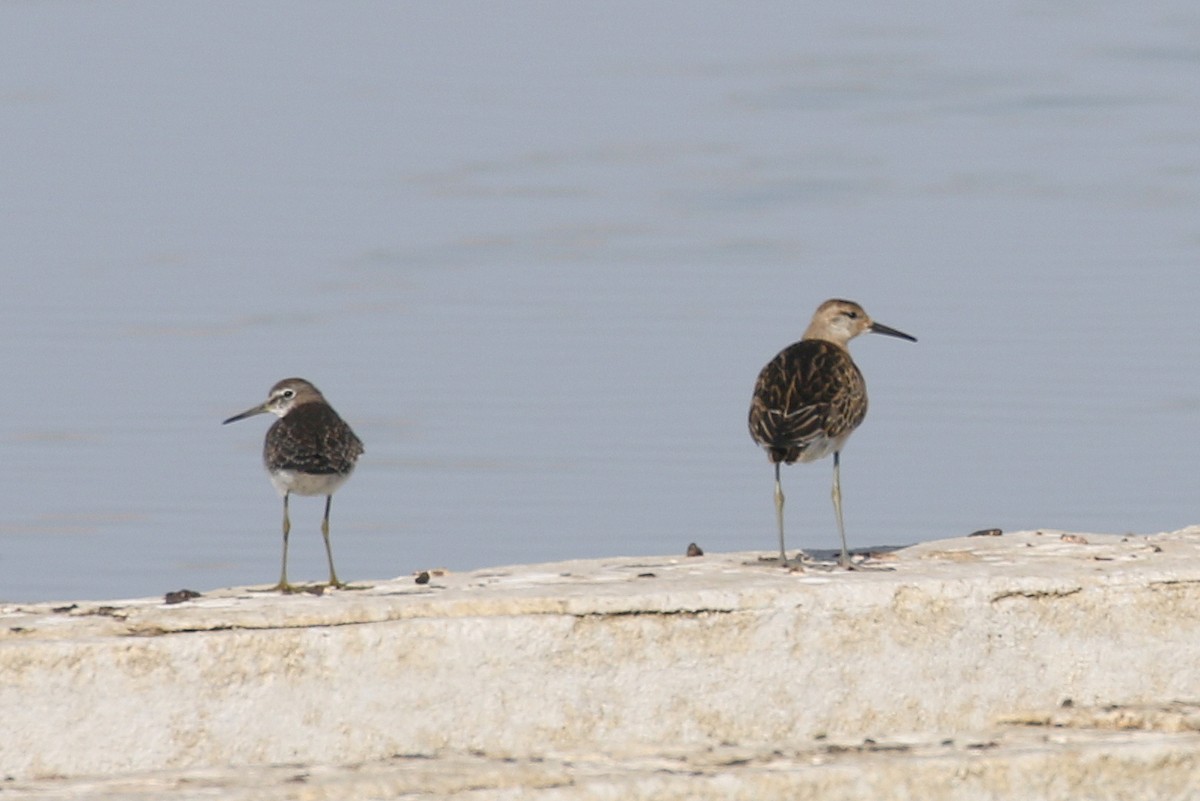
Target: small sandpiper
x: 309, y: 450
x: 809, y: 399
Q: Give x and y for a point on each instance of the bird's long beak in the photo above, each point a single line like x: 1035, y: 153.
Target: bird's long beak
x: 879, y: 328
x: 259, y: 409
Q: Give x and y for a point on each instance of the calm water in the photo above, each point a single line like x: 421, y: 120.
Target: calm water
x: 536, y: 253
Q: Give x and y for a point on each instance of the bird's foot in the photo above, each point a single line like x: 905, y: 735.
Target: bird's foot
x: 341, y: 585
x: 284, y: 588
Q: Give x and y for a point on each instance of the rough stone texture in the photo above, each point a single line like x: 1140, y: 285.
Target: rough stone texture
x: 1012, y: 765
x: 1029, y: 663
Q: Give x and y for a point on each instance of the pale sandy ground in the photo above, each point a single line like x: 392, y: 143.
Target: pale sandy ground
x: 1030, y: 665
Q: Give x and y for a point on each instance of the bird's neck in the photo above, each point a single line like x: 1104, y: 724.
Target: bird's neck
x: 825, y: 336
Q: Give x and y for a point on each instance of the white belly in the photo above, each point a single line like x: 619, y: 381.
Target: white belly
x: 307, y: 483
x: 822, y: 446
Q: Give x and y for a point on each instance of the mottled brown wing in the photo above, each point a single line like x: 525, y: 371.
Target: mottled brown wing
x: 805, y: 395
x: 312, y: 439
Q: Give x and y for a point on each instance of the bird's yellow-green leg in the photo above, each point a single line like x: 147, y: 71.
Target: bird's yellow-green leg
x: 844, y: 560
x: 283, y: 585
x: 779, y: 514
x: 333, y: 579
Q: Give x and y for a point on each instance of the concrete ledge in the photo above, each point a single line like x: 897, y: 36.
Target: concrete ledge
x: 1012, y: 765
x: 621, y: 662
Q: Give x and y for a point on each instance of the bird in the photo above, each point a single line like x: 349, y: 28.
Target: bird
x: 309, y: 450
x: 809, y: 399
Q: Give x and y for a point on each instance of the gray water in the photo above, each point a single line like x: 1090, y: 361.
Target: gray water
x: 536, y: 253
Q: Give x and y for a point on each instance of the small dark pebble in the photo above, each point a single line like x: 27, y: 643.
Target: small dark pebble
x: 981, y: 746
x: 179, y: 596
x: 646, y: 575
x: 423, y: 577
x: 986, y: 532
x: 1067, y: 703
x: 64, y: 609
x: 695, y: 550
x: 299, y: 778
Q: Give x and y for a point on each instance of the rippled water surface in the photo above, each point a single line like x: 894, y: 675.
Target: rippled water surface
x: 536, y: 253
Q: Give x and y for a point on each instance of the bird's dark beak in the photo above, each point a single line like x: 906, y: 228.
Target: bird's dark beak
x: 259, y: 409
x: 879, y: 328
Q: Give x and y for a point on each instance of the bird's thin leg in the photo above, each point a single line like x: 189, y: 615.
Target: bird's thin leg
x: 333, y: 579
x: 283, y: 585
x: 844, y: 560
x: 779, y: 513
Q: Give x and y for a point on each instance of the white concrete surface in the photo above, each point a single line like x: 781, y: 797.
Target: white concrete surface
x: 581, y: 677
x: 1014, y: 766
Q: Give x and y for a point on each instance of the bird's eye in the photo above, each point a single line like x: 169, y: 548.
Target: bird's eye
x: 288, y: 394
x: 852, y: 315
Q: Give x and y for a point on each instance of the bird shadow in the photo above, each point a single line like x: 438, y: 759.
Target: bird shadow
x: 827, y: 561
